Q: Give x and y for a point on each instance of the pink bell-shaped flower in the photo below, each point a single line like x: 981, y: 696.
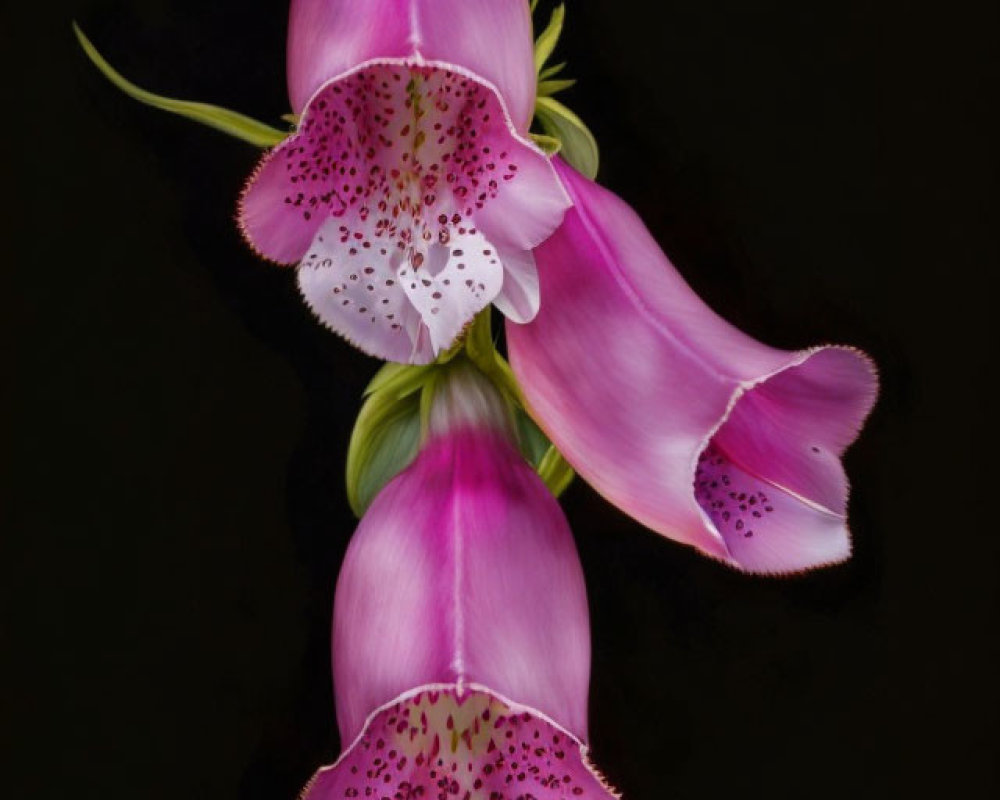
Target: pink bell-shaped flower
x: 461, y: 641
x: 675, y: 416
x: 411, y: 195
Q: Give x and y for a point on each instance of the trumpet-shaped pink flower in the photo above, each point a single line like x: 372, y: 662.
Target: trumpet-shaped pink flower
x: 675, y: 416
x: 411, y: 195
x: 461, y: 643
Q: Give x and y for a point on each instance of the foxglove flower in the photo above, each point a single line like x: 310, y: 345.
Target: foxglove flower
x: 675, y: 416
x: 411, y: 195
x: 461, y: 643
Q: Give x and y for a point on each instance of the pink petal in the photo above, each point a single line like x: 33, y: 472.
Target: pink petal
x: 438, y: 742
x: 330, y: 37
x: 404, y: 169
x: 524, y: 218
x: 463, y: 571
x: 489, y: 38
x: 633, y: 377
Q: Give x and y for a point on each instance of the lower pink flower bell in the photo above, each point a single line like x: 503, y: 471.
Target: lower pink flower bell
x: 685, y: 423
x: 461, y: 641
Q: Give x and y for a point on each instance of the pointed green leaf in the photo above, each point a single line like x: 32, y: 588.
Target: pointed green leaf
x: 385, y: 440
x: 222, y: 119
x: 551, y: 72
x: 579, y: 147
x: 503, y: 376
x: 547, y: 39
x: 549, y: 88
x: 534, y: 5
x: 555, y: 471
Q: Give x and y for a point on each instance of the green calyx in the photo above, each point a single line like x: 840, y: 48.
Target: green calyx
x: 562, y: 131
x: 395, y: 417
x: 222, y: 119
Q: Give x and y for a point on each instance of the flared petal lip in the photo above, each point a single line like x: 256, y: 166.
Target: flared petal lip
x: 799, y: 358
x: 462, y: 690
x: 415, y: 60
x: 721, y: 552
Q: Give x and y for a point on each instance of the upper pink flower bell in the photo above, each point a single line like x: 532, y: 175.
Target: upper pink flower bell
x: 411, y: 196
x: 695, y: 429
x: 461, y: 641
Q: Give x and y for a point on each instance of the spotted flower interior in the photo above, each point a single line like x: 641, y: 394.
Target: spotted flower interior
x: 410, y: 203
x: 438, y: 745
x: 771, y: 480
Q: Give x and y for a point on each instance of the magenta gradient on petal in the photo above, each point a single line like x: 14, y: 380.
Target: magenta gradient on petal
x: 641, y: 385
x: 491, y: 38
x: 463, y: 571
x: 433, y: 743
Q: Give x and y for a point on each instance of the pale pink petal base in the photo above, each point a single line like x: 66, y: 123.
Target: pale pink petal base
x: 436, y: 742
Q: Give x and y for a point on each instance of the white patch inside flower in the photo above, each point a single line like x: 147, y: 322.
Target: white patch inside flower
x: 385, y: 294
x: 397, y: 162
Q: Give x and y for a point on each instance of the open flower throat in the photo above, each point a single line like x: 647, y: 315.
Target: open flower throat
x: 388, y: 184
x: 473, y: 747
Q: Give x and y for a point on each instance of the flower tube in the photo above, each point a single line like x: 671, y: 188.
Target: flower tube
x: 685, y: 423
x: 461, y: 642
x: 411, y: 195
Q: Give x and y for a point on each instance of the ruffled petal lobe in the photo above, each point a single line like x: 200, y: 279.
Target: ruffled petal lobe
x: 636, y: 380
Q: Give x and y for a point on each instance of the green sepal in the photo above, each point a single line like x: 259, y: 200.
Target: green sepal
x: 395, y: 417
x: 481, y: 351
x: 547, y: 39
x: 479, y: 341
x: 549, y: 145
x: 534, y: 443
x: 222, y: 119
x: 555, y: 471
x: 534, y: 5
x: 548, y: 462
x: 398, y: 380
x: 551, y: 72
x: 426, y: 401
x: 579, y: 147
x: 388, y: 431
x: 549, y: 88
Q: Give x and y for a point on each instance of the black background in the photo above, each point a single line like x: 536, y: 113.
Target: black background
x: 819, y: 171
